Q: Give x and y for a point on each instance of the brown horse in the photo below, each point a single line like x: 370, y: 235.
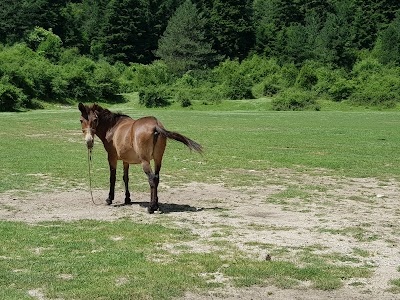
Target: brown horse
x: 133, y: 142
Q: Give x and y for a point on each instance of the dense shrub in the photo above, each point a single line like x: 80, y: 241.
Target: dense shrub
x: 45, y: 43
x: 183, y: 97
x: 105, y: 80
x: 378, y: 90
x: 153, y: 97
x: 234, y: 81
x: 33, y: 74
x: 341, y: 89
x: 307, y: 77
x: 375, y: 84
x: 271, y: 86
x: 139, y: 76
x: 365, y: 67
x: 334, y: 83
x: 289, y: 74
x: 294, y: 99
x: 11, y: 97
x: 28, y: 76
x: 258, y: 67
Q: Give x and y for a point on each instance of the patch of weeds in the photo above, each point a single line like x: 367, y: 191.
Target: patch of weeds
x: 182, y: 247
x: 223, y: 244
x: 342, y: 258
x: 226, y: 215
x: 259, y: 245
x: 356, y: 198
x: 395, y: 286
x: 318, y: 188
x: 279, y: 251
x: 261, y: 227
x: 322, y: 275
x: 357, y: 284
x: 9, y: 208
x: 218, y: 234
x: 273, y: 199
x: 361, y: 252
x: 356, y: 232
x: 292, y: 192
x: 392, y: 243
x: 285, y: 282
x: 215, y: 201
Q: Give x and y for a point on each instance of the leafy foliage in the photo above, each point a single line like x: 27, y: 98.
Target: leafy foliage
x: 153, y: 98
x: 209, y: 49
x: 33, y: 76
x: 292, y: 99
x: 184, y: 46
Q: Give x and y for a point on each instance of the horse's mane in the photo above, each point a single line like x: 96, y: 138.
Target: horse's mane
x: 107, y: 115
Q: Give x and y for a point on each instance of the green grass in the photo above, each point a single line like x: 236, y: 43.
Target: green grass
x: 91, y: 260
x: 243, y: 141
x: 116, y: 260
x: 43, y: 150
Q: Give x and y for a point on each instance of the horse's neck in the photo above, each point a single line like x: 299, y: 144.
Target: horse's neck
x: 104, y: 125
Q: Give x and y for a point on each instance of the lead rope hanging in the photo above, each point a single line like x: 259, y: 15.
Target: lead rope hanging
x: 90, y: 177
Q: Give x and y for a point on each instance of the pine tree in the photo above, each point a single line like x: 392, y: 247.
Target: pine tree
x: 388, y: 44
x: 333, y: 43
x: 232, y: 27
x: 183, y: 45
x: 124, y: 31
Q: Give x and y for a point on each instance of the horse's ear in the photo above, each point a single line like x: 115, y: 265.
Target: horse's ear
x: 97, y: 108
x: 82, y: 108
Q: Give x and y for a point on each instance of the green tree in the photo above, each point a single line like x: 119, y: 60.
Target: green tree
x: 158, y: 13
x: 232, y: 27
x: 124, y: 31
x: 333, y: 43
x: 369, y: 17
x: 19, y: 17
x: 183, y: 45
x: 388, y: 44
x: 46, y: 43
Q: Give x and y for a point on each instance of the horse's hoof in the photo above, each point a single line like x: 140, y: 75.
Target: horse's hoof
x: 152, y: 210
x: 108, y: 201
x: 128, y: 202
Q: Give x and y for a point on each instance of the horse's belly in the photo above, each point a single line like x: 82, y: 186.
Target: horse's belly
x: 129, y: 157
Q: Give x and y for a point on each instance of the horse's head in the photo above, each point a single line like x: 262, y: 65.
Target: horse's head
x: 89, y: 122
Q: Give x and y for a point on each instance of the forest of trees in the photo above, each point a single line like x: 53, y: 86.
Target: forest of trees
x: 293, y: 50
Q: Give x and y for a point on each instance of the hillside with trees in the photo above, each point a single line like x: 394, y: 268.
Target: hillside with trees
x: 295, y: 51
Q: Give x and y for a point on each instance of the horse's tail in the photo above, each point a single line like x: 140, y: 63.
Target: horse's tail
x: 180, y: 138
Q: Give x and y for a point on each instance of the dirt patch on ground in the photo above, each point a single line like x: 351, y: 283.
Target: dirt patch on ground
x: 292, y: 210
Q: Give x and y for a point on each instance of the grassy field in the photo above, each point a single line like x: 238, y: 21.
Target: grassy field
x: 43, y: 151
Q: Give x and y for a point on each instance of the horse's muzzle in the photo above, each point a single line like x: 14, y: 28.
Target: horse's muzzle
x: 89, y: 141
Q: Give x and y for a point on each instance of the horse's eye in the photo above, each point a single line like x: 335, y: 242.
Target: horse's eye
x: 81, y: 121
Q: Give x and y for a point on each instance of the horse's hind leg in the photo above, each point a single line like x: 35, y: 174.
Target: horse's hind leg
x: 126, y: 181
x: 153, y: 181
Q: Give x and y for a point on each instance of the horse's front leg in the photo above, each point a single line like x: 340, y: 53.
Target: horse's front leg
x: 126, y: 181
x: 113, y: 174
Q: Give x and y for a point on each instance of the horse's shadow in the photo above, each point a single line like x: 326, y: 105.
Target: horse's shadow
x: 167, y: 208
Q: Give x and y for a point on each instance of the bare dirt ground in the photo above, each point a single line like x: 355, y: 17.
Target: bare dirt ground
x: 290, y: 210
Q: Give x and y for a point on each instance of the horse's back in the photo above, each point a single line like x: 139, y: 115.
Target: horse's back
x: 134, y: 140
